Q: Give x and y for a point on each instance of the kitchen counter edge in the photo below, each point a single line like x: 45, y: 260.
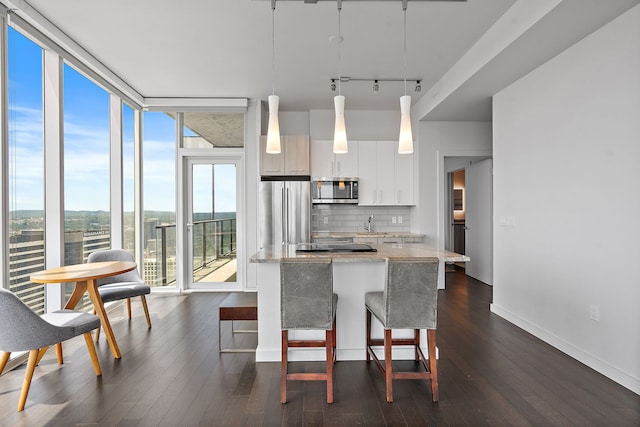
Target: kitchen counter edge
x: 273, y: 254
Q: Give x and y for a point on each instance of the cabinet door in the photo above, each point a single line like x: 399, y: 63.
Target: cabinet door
x: 386, y: 173
x: 271, y: 164
x: 296, y: 158
x: 346, y: 165
x: 322, y: 159
x: 404, y: 179
x: 368, y: 175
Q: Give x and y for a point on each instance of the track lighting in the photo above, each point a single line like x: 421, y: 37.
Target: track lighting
x: 333, y: 85
x: 376, y: 86
x: 418, y: 86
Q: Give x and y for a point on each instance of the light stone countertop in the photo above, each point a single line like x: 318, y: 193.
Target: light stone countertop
x: 273, y: 254
x: 347, y: 234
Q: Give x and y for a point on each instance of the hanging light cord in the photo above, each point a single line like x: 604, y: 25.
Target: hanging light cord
x: 339, y: 46
x: 404, y: 8
x: 273, y: 47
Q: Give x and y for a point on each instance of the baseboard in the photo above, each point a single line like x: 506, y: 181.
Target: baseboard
x: 582, y: 356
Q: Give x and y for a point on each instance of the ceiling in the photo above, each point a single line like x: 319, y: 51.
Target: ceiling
x: 222, y: 48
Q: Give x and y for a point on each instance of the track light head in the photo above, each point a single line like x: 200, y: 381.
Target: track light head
x: 418, y: 86
x: 376, y: 86
x: 333, y: 85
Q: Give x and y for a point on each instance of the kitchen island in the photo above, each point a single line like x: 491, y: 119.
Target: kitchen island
x: 354, y: 274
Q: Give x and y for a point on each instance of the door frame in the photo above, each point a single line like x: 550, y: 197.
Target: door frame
x: 183, y: 236
x: 443, y: 193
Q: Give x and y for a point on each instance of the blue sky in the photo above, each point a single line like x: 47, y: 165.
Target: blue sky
x: 86, y: 143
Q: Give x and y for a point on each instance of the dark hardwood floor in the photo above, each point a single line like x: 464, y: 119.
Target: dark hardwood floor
x: 490, y: 373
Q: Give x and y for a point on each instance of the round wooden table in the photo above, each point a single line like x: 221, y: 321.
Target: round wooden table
x: 85, y: 276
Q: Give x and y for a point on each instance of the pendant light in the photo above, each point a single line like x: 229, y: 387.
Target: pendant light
x: 405, y: 142
x: 340, y: 132
x: 273, y: 131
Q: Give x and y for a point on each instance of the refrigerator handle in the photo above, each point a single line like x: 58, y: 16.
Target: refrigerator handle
x: 288, y: 218
x: 282, y: 217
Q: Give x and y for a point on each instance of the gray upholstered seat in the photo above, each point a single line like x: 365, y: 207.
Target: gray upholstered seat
x: 122, y: 286
x: 409, y: 301
x: 24, y: 330
x: 307, y: 301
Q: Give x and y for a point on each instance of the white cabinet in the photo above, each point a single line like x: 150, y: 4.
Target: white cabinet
x: 404, y: 179
x: 326, y: 164
x: 293, y: 158
x: 386, y: 177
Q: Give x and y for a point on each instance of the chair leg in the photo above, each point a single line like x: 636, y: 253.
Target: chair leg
x: 146, y: 310
x: 92, y: 353
x: 97, y: 337
x: 43, y: 351
x: 129, y: 308
x: 28, y: 376
x: 283, y: 366
x: 433, y: 363
x: 3, y: 361
x: 388, y: 366
x: 59, y: 353
x: 329, y: 364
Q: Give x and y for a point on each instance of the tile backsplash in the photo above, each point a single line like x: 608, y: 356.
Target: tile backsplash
x: 353, y: 218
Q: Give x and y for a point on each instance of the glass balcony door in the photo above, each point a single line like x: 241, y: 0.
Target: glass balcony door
x: 212, y: 240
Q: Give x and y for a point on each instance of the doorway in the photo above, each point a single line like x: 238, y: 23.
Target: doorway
x: 212, y: 224
x: 468, y: 215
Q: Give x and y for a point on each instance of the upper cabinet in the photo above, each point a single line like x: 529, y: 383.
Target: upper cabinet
x: 293, y: 158
x: 386, y: 177
x: 326, y: 164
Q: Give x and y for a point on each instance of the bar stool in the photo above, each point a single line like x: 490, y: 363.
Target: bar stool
x: 307, y: 301
x: 409, y: 301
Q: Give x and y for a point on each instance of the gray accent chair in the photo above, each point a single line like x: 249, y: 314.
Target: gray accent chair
x: 24, y: 330
x: 307, y: 301
x: 123, y: 286
x: 409, y: 301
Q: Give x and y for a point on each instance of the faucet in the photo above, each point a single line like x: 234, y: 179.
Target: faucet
x: 368, y: 226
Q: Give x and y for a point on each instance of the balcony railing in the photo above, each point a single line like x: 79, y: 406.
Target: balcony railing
x: 212, y: 240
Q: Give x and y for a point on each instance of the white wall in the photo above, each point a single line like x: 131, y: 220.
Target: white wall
x: 436, y: 141
x: 566, y: 151
x: 370, y: 125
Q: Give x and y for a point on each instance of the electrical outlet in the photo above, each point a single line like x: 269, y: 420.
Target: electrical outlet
x: 393, y: 220
x: 326, y: 220
x: 594, y: 312
x: 399, y: 220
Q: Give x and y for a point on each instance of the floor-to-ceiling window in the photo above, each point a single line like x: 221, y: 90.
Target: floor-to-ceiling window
x: 159, y: 178
x: 26, y: 167
x: 86, y: 168
x: 128, y: 178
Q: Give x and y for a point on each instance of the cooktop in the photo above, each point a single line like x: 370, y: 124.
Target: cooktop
x: 334, y: 247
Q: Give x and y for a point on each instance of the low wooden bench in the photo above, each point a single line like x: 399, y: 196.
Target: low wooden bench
x: 238, y: 306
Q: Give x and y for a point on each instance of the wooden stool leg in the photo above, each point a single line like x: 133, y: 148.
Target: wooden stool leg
x: 28, y: 376
x: 129, y: 308
x: 388, y: 366
x: 368, y: 335
x: 283, y: 367
x: 433, y: 363
x: 329, y: 363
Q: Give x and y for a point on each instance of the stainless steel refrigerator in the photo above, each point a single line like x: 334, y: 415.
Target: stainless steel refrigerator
x: 284, y: 212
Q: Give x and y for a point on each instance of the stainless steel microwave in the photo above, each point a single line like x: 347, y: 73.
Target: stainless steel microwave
x: 334, y: 190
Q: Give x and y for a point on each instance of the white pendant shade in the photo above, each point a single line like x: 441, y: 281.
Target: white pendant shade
x: 405, y: 144
x: 340, y: 131
x: 273, y: 132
